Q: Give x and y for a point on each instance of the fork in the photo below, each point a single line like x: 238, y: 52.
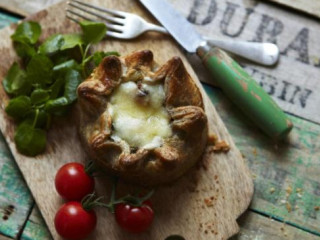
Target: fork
x: 120, y: 24
x: 124, y: 25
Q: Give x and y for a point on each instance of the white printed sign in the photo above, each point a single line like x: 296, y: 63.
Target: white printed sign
x: 294, y: 83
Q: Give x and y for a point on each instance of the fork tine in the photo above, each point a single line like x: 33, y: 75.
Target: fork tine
x: 114, y: 34
x: 73, y: 19
x: 109, y: 26
x: 113, y: 12
x: 107, y: 18
x: 80, y: 15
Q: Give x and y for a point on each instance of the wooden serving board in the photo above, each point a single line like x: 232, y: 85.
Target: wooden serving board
x: 203, y: 204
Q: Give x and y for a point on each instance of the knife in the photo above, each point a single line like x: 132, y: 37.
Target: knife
x: 228, y: 74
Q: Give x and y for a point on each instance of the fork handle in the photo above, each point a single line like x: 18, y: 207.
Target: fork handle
x: 263, y: 53
x: 154, y: 27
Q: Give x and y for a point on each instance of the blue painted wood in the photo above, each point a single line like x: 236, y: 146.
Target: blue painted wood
x: 35, y: 227
x: 286, y: 174
x: 6, y: 19
x: 15, y: 198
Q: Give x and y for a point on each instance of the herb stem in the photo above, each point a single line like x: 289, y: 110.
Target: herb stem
x: 35, y: 118
x: 85, y: 52
x: 81, y: 50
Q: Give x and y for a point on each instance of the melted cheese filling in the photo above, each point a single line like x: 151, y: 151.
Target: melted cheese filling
x: 138, y: 115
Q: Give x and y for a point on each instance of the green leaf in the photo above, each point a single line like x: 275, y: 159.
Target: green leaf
x: 18, y: 107
x: 16, y: 82
x: 57, y: 105
x: 73, y: 79
x: 42, y: 118
x: 39, y: 70
x: 66, y: 66
x: 27, y: 32
x: 52, y: 44
x: 24, y: 50
x: 71, y: 41
x: 98, y: 56
x: 56, y: 87
x: 29, y: 140
x: 93, y: 32
x: 39, y: 96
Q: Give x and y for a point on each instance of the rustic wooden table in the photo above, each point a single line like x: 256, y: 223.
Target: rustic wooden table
x: 286, y: 203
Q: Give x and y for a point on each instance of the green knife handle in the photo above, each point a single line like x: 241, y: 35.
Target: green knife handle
x: 245, y: 92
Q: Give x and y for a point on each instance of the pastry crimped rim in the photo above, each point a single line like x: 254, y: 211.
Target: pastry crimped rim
x: 183, y: 102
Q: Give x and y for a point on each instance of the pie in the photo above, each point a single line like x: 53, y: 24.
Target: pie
x: 140, y: 121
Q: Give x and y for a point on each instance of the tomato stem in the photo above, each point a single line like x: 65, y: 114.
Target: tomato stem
x: 113, y: 194
x: 90, y: 168
x: 90, y: 201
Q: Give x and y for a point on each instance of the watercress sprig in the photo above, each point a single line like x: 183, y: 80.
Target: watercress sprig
x: 43, y: 84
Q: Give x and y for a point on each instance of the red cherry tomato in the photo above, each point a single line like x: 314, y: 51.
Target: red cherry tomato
x: 72, y: 182
x: 134, y: 219
x: 73, y: 222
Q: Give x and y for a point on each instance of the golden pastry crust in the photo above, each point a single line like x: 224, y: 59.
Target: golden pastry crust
x: 183, y: 101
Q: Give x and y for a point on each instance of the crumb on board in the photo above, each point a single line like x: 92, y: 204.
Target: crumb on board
x: 208, y: 202
x: 212, y: 139
x: 299, y: 192
x: 254, y: 151
x: 284, y: 231
x: 283, y: 201
x: 289, y: 190
x: 288, y: 206
x: 221, y: 146
x: 272, y: 190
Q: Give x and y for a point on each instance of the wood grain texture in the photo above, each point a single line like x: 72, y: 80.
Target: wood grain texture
x: 35, y: 227
x: 256, y: 227
x: 224, y: 177
x: 292, y: 82
x: 26, y: 8
x: 253, y: 226
x: 16, y: 203
x: 311, y: 7
x: 4, y: 238
x: 286, y: 175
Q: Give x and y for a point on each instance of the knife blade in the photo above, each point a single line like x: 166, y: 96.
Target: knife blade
x: 237, y: 84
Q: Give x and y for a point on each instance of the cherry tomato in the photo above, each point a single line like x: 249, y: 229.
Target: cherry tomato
x: 72, y: 182
x: 134, y: 219
x: 73, y: 222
